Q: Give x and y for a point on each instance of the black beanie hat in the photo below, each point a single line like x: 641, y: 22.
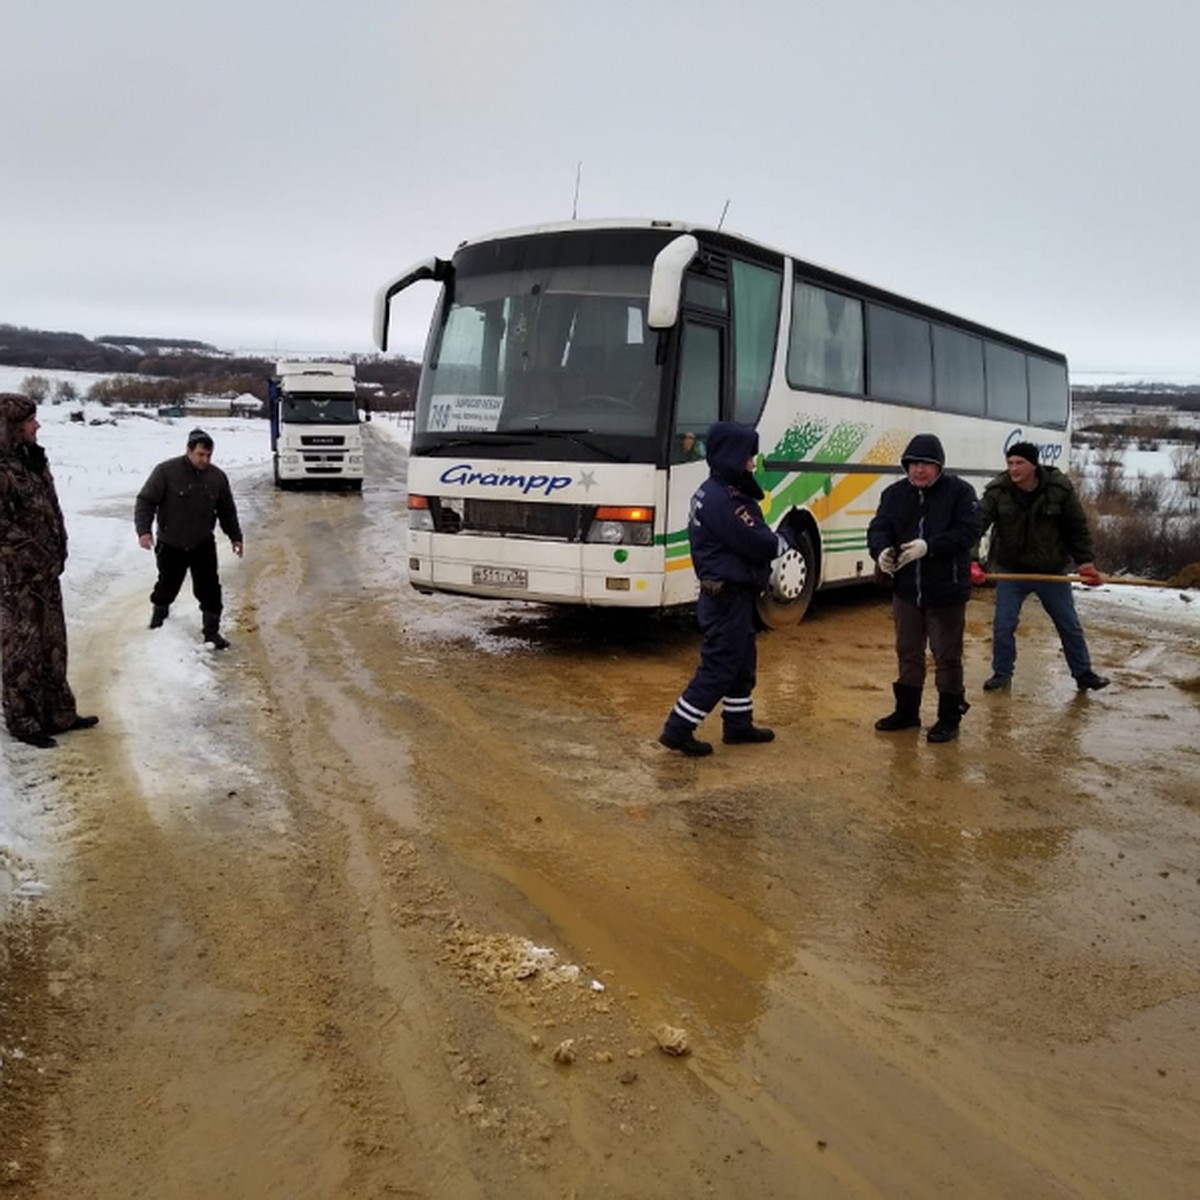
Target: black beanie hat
x: 1025, y: 450
x: 199, y: 438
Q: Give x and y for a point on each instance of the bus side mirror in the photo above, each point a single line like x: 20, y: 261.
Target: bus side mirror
x: 432, y: 268
x: 666, y: 280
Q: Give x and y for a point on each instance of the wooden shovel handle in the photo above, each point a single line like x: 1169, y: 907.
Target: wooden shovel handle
x: 1130, y: 580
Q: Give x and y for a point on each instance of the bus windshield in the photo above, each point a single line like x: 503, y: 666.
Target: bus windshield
x: 319, y: 410
x: 562, y: 347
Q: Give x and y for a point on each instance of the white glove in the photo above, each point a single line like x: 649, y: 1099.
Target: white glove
x: 887, y: 561
x: 911, y: 551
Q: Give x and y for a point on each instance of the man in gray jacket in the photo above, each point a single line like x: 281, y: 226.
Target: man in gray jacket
x: 188, y: 496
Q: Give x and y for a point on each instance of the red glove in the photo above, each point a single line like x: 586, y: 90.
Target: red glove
x: 978, y: 575
x: 1089, y: 576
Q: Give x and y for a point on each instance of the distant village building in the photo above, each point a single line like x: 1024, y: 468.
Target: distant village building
x: 245, y: 405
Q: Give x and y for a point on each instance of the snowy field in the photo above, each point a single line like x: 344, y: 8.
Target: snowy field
x: 174, y: 687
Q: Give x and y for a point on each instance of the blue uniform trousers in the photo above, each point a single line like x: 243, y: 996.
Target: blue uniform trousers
x: 728, y: 663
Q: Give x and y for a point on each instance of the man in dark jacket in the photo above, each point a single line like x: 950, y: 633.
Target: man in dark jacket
x: 922, y: 535
x: 188, y: 496
x: 1038, y: 527
x: 38, y: 701
x: 732, y: 550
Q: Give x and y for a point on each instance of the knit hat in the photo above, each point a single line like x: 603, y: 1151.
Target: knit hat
x: 1025, y: 450
x: 924, y: 448
x: 199, y: 438
x: 15, y: 410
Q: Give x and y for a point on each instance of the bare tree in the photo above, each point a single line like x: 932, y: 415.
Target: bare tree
x: 36, y: 387
x: 1186, y: 461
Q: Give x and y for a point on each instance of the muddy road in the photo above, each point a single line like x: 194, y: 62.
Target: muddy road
x: 439, y: 932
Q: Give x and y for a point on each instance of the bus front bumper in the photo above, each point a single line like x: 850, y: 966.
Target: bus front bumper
x: 546, y: 572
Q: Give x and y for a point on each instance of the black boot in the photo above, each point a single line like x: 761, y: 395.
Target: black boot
x: 211, y: 634
x: 951, y: 706
x: 79, y: 723
x: 158, y: 616
x: 685, y: 741
x: 908, y: 709
x: 39, y: 738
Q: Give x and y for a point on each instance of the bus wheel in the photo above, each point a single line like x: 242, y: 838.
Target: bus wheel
x: 790, y: 590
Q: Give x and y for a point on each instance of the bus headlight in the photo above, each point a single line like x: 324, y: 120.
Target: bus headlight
x: 621, y: 526
x: 420, y: 518
x: 612, y: 532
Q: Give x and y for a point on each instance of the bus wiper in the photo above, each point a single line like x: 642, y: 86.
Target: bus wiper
x: 582, y: 437
x: 492, y: 439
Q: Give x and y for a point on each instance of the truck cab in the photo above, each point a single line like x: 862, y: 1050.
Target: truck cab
x: 316, y: 436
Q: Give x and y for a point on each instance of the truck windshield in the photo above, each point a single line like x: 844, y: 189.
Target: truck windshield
x: 553, y: 342
x: 319, y: 410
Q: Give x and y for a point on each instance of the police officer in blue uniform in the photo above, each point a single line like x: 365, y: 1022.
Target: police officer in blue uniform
x: 732, y: 550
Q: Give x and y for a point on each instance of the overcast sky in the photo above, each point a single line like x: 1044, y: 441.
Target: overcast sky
x: 248, y: 172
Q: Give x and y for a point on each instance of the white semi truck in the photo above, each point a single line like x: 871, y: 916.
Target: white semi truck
x: 316, y: 437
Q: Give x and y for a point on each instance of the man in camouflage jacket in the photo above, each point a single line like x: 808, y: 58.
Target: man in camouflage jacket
x: 1038, y: 527
x: 38, y: 701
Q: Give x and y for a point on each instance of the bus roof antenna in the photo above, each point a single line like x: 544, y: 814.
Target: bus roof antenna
x: 575, y: 203
x: 723, y: 212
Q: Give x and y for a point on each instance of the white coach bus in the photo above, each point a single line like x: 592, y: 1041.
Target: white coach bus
x: 571, y: 372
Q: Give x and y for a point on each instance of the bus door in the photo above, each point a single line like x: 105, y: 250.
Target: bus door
x: 700, y: 394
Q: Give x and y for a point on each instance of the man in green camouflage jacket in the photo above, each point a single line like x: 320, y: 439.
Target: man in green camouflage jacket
x: 38, y: 702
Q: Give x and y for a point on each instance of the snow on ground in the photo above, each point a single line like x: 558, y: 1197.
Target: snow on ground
x: 171, y: 686
x: 167, y: 696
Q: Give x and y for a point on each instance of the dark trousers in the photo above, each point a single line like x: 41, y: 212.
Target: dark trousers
x: 33, y: 646
x: 174, y: 564
x: 728, y: 663
x: 942, y: 629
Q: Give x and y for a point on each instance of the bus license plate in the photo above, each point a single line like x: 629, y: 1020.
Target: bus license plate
x: 499, y: 577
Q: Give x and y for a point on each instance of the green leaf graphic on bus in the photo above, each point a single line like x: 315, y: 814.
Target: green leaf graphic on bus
x: 842, y: 443
x: 795, y: 444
